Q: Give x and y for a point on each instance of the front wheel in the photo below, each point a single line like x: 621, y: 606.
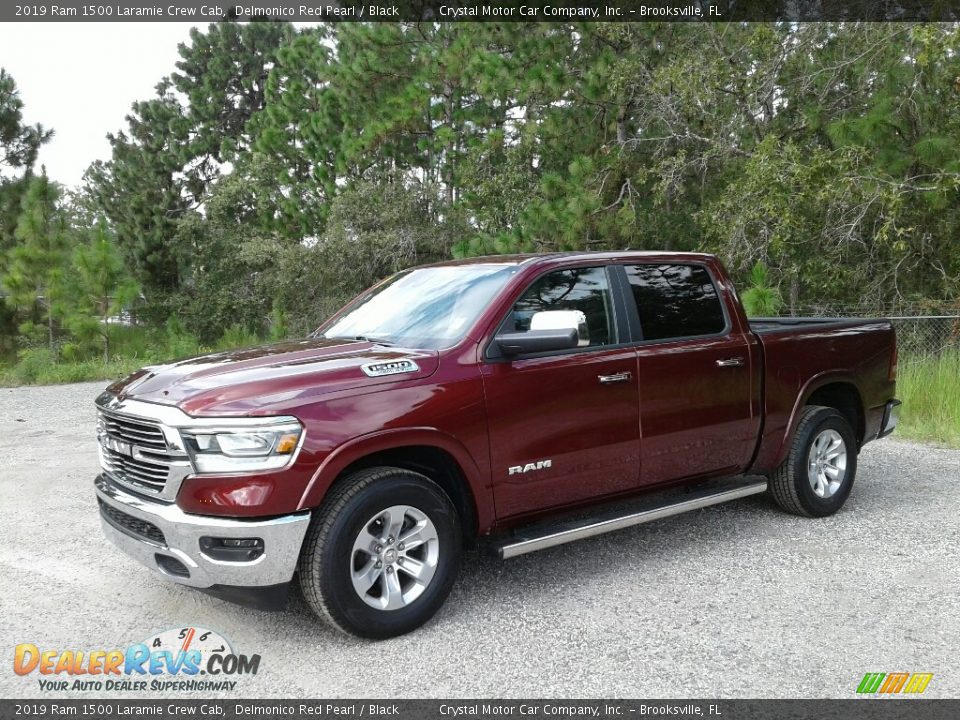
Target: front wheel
x: 817, y: 476
x: 382, y: 554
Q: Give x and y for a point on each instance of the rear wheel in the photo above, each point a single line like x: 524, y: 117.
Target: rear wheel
x: 817, y: 476
x: 382, y: 554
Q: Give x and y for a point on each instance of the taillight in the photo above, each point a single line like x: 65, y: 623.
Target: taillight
x: 892, y: 373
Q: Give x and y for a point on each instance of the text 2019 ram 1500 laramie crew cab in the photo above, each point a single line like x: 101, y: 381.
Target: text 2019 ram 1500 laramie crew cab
x: 521, y: 401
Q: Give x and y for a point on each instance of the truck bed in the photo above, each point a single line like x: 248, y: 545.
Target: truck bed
x: 776, y: 324
x: 804, y: 354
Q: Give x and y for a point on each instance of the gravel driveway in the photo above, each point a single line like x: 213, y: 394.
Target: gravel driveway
x: 740, y: 600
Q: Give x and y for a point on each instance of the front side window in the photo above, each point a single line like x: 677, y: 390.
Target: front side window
x: 568, y: 298
x: 675, y: 301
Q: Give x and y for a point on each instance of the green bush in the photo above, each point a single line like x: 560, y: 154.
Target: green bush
x: 71, y: 352
x: 237, y: 336
x: 133, y: 341
x: 32, y: 364
x: 177, y: 342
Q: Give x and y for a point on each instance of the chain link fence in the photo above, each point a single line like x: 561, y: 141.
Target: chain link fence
x: 919, y: 336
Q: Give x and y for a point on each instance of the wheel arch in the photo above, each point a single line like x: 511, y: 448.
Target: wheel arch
x: 845, y: 398
x: 834, y: 390
x: 431, y: 453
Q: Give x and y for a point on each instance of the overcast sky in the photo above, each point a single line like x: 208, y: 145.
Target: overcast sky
x: 80, y: 79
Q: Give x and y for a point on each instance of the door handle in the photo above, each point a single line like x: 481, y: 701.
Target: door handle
x: 730, y: 362
x: 619, y: 377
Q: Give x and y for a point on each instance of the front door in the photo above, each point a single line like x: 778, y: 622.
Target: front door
x: 564, y: 426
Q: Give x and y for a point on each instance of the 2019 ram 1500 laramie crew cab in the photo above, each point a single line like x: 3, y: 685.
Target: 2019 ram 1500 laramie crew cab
x: 523, y: 401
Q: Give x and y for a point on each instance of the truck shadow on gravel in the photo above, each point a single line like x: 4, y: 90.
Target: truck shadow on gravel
x: 492, y: 590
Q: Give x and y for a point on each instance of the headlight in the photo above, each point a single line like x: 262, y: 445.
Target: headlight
x: 242, y: 449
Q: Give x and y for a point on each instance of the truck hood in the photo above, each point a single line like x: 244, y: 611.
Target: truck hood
x: 268, y: 379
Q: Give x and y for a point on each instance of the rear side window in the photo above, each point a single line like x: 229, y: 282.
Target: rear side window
x: 568, y: 298
x: 675, y: 301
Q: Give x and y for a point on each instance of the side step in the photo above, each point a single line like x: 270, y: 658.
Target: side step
x: 531, y: 539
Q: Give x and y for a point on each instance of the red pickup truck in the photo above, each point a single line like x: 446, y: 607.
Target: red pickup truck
x: 515, y: 402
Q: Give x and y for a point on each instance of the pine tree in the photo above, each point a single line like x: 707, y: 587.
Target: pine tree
x: 99, y: 287
x: 298, y: 132
x: 140, y: 191
x: 761, y: 298
x: 34, y: 272
x: 165, y: 163
x: 19, y: 143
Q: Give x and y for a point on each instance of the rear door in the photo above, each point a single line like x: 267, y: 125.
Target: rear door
x: 697, y: 411
x: 564, y: 426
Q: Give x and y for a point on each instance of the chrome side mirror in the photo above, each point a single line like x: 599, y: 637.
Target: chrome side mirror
x: 562, y: 320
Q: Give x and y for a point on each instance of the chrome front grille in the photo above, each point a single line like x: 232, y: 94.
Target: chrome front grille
x: 134, y: 431
x: 134, y: 452
x: 151, y: 474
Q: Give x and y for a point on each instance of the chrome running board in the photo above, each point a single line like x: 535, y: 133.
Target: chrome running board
x: 531, y: 539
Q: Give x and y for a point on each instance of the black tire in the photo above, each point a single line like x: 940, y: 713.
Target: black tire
x: 328, y: 558
x: 791, y: 486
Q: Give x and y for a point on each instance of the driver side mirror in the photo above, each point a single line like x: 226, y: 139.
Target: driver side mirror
x: 536, y: 341
x: 550, y: 330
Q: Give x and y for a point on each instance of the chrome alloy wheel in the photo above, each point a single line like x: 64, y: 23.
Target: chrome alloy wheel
x: 394, y: 557
x: 827, y: 463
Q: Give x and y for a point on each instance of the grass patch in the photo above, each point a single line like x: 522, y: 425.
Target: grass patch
x: 133, y: 349
x: 38, y: 367
x: 930, y: 390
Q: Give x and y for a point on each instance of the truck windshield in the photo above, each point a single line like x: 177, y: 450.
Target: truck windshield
x: 430, y: 307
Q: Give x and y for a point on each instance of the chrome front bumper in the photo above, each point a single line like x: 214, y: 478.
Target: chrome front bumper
x: 282, y: 538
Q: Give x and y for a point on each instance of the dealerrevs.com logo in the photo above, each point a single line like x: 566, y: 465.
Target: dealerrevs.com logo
x: 182, y: 659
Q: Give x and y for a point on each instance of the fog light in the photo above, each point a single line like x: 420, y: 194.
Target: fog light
x: 241, y: 542
x: 232, y: 549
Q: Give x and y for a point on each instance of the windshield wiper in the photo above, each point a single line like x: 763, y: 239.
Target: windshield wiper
x: 367, y: 338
